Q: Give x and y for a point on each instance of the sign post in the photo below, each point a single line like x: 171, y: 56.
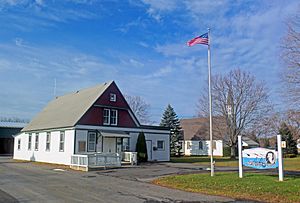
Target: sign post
x: 280, y: 164
x: 240, y: 156
x: 261, y: 158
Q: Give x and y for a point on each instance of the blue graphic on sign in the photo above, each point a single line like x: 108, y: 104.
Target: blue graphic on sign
x: 260, y: 158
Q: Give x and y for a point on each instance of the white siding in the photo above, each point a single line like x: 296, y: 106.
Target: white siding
x: 159, y: 155
x: 55, y: 156
x: 194, y: 148
x: 132, y: 141
x: 156, y: 155
x: 41, y: 155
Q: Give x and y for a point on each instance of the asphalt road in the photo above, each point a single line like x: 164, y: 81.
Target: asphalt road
x: 27, y: 182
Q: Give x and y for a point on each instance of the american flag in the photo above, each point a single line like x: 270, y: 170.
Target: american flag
x: 202, y: 39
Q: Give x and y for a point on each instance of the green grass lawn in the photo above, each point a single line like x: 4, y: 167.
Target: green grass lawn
x: 289, y: 163
x: 253, y: 186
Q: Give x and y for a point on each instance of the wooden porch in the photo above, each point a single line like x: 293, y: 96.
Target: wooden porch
x: 86, y: 162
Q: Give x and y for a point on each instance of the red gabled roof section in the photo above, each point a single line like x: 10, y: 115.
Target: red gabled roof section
x: 94, y: 115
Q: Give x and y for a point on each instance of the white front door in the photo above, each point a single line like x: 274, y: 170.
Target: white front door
x: 109, y: 144
x: 149, y: 149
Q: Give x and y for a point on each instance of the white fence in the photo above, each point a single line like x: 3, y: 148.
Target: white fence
x: 130, y: 157
x: 86, y: 161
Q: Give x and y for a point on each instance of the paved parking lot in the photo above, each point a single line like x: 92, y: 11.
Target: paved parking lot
x: 27, y: 182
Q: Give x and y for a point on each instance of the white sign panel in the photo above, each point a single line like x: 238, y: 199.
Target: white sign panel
x: 260, y: 158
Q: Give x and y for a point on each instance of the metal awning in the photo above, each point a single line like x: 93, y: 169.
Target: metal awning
x: 114, y: 134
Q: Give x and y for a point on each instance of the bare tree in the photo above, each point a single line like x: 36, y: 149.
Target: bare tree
x: 267, y: 126
x: 291, y: 59
x: 239, y: 100
x: 140, y: 108
x: 293, y: 122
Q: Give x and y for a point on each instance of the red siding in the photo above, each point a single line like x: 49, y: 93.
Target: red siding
x: 94, y: 116
x: 104, y: 98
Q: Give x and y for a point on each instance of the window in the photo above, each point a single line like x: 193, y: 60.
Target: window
x: 188, y: 145
x: 160, y: 145
x: 91, y: 141
x: 106, y: 117
x: 82, y: 145
x: 36, y: 147
x: 48, y: 141
x: 29, y: 141
x: 200, y: 145
x: 19, y: 144
x: 62, y: 141
x: 113, y: 117
x: 110, y: 117
x: 113, y: 97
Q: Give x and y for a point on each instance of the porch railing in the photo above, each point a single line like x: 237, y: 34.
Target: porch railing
x: 86, y: 161
x: 130, y: 157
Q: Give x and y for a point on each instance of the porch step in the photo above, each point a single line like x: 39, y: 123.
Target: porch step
x: 125, y: 163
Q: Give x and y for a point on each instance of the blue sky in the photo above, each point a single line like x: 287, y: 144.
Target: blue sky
x: 138, y: 43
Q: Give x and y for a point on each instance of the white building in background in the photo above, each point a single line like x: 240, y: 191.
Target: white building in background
x: 89, y: 121
x: 196, y: 138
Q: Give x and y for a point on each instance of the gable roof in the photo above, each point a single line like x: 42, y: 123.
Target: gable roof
x: 65, y: 111
x: 198, y: 128
x: 249, y: 142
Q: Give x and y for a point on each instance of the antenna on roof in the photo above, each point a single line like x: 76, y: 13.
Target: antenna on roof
x: 54, y: 92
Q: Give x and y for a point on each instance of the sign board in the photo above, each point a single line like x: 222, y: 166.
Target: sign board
x: 260, y: 158
x: 283, y: 144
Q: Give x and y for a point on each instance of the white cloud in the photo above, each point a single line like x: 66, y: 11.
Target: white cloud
x: 27, y: 15
x: 135, y: 23
x: 39, y: 2
x: 197, y: 7
x: 32, y: 69
x: 156, y: 8
x: 163, y: 71
x: 161, y: 5
x: 143, y: 44
x: 19, y: 41
x: 4, y: 64
x: 136, y: 63
x: 175, y: 49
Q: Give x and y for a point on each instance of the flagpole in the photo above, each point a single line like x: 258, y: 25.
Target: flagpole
x: 210, y: 106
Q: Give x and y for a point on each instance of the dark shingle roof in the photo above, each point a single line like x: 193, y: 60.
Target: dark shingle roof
x: 198, y: 128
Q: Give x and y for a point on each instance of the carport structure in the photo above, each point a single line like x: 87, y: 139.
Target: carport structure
x: 7, y: 130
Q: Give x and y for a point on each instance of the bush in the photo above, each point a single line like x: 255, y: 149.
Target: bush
x: 289, y: 155
x: 226, y: 151
x: 141, y: 148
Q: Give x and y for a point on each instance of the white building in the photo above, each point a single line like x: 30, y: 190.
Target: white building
x: 89, y: 121
x: 196, y: 138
